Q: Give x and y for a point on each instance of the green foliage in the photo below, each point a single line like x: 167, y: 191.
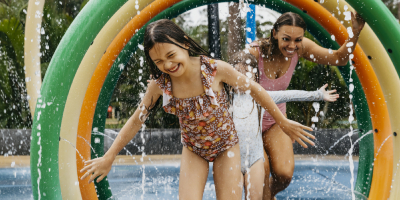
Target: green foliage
x: 13, y: 30
x: 13, y: 8
x: 54, y: 25
x: 14, y: 111
x: 57, y: 16
x: 310, y: 77
x: 393, y: 6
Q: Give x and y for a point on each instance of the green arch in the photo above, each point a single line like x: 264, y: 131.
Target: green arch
x: 362, y: 111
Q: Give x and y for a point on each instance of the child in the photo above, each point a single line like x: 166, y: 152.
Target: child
x: 247, y: 123
x: 192, y: 89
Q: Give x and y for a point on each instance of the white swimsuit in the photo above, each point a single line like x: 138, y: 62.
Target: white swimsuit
x: 245, y: 117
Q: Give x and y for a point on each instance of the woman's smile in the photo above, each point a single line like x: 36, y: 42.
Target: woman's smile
x: 290, y: 52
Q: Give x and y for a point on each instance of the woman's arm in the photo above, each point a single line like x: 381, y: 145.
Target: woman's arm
x: 101, y: 166
x: 226, y: 73
x: 315, y: 53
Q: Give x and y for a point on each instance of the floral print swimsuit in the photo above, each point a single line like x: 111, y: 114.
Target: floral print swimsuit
x: 206, y: 126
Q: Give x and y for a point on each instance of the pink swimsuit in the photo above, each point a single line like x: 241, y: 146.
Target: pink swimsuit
x: 281, y: 83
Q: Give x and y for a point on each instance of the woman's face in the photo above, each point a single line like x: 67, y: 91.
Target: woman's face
x: 289, y: 39
x: 170, y: 58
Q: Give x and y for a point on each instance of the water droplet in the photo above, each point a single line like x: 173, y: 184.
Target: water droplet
x: 230, y: 154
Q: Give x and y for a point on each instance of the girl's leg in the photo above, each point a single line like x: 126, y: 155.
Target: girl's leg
x: 228, y: 177
x: 266, y: 189
x: 279, y: 148
x: 193, y: 176
x: 254, y: 181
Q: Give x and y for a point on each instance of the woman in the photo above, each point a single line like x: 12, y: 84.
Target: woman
x: 277, y: 57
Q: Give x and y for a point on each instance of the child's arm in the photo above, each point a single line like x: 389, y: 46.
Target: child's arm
x: 289, y: 95
x: 226, y: 73
x: 301, y: 95
x: 101, y: 166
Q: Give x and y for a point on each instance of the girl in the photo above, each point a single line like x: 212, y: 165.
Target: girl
x: 192, y: 89
x: 246, y: 118
x: 277, y: 57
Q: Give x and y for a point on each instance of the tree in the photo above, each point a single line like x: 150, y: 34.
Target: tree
x: 13, y: 103
x: 393, y: 6
x: 235, y: 38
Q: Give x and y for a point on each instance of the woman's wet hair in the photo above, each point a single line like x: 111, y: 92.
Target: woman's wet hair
x: 268, y: 45
x: 166, y: 31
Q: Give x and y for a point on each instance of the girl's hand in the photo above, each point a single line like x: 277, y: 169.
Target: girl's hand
x: 328, y: 95
x: 97, y: 167
x: 296, y: 132
x: 357, y: 22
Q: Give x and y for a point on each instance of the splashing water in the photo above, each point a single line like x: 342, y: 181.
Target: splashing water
x: 80, y: 155
x: 88, y: 143
x: 143, y: 155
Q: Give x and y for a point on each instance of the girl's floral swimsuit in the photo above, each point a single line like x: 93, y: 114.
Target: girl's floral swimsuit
x: 206, y: 126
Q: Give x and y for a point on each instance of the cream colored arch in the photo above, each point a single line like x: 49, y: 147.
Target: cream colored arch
x: 33, y: 26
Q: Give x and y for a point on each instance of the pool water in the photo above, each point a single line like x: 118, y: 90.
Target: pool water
x: 311, y: 180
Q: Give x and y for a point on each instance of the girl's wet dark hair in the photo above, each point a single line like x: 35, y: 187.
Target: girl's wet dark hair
x: 245, y: 59
x: 268, y: 45
x: 163, y: 31
x: 166, y: 31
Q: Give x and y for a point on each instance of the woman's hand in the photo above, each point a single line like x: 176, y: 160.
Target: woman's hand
x: 357, y: 22
x: 97, y: 167
x: 328, y: 95
x: 296, y: 132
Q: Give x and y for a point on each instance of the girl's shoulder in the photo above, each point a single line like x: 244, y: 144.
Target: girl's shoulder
x: 208, y: 65
x: 164, y: 83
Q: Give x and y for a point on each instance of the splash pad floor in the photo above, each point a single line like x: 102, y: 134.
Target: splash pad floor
x: 315, y: 177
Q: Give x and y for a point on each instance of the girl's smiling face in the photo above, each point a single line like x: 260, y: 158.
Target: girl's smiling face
x: 289, y: 39
x: 170, y: 58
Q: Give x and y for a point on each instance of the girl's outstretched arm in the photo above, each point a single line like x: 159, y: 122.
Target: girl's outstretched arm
x: 289, y: 95
x: 315, y: 53
x: 226, y: 73
x: 101, y: 166
x: 301, y: 95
